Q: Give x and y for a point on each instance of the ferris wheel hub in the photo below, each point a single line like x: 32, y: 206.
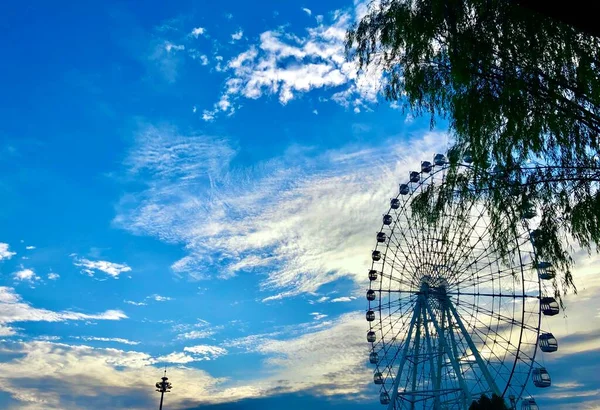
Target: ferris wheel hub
x: 434, y: 287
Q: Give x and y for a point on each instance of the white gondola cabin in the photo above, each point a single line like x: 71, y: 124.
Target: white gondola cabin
x: 529, y: 404
x: 547, y: 343
x: 549, y: 306
x: 541, y: 377
x: 547, y: 274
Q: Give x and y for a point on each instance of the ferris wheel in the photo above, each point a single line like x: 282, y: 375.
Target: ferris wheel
x: 450, y: 318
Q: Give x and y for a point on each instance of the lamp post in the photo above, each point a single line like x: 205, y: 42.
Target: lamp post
x: 163, y: 387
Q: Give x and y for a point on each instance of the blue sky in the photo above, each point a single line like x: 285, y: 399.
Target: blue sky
x: 198, y: 185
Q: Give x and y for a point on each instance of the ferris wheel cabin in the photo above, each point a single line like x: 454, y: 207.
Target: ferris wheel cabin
x: 541, y: 377
x: 529, y: 404
x: 372, y: 275
x: 549, y: 306
x: 404, y: 189
x: 384, y: 398
x: 439, y: 159
x: 376, y: 255
x: 387, y: 219
x: 426, y: 167
x: 548, y: 343
x: 370, y: 316
x: 373, y: 358
x: 545, y: 270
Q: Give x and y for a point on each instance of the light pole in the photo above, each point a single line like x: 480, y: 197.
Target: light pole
x: 163, y: 387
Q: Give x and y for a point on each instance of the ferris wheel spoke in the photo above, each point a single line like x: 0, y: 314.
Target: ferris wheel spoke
x: 455, y: 244
x: 477, y: 279
x: 393, y: 260
x: 489, y: 252
x: 500, y: 361
x: 492, y: 295
x: 397, y: 280
x: 495, y: 315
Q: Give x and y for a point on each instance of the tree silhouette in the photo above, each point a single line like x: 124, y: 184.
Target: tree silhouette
x: 520, y: 91
x: 485, y: 403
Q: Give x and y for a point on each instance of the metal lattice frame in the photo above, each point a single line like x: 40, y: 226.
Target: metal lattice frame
x: 452, y: 319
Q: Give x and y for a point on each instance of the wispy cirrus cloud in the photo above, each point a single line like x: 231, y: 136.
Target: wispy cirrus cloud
x: 107, y: 339
x: 110, y: 268
x: 304, y: 219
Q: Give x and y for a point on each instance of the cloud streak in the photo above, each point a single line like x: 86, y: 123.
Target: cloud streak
x: 304, y: 219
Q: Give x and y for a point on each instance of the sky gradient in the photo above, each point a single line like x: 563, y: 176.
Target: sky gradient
x: 198, y: 185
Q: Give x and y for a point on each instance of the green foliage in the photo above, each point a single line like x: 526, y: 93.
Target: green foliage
x: 485, y: 403
x: 520, y: 91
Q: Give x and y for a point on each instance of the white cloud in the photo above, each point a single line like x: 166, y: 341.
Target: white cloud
x: 53, y: 276
x: 14, y: 310
x: 318, y: 316
x: 160, y: 298
x: 131, y: 302
x: 337, y: 366
x: 25, y: 275
x: 237, y: 35
x: 174, y: 47
x: 107, y: 339
x: 4, y: 252
x: 110, y: 268
x: 177, y: 357
x: 287, y: 65
x: 104, y: 378
x: 304, y: 219
x: 206, y: 351
x: 343, y: 299
x: 198, y: 31
x: 307, y: 11
x: 196, y: 334
x: 30, y: 247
